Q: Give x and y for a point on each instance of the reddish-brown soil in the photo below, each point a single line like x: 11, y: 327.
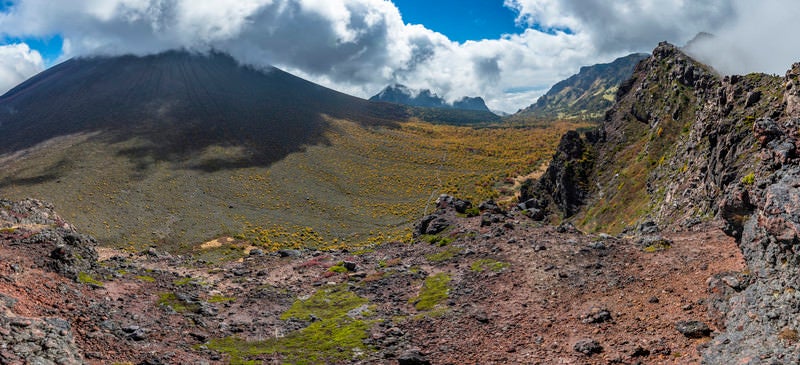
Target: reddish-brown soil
x: 531, y: 312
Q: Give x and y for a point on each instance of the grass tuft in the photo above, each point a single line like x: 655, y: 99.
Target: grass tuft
x: 434, y: 291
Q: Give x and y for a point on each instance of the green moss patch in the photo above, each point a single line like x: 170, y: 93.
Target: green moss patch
x: 660, y: 245
x: 436, y: 239
x: 332, y: 337
x: 220, y: 299
x: 146, y: 278
x: 489, y: 264
x: 749, y: 179
x: 338, y: 269
x: 434, y: 291
x: 181, y: 306
x: 85, y: 278
x: 445, y: 255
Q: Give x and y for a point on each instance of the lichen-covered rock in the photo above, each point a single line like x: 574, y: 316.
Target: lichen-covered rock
x: 36, y: 340
x: 34, y: 222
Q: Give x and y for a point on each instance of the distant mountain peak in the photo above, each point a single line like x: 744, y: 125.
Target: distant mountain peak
x: 401, y: 94
x: 587, y: 94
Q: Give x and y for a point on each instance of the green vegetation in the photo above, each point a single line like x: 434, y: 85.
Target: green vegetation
x: 749, y: 179
x: 85, y: 278
x: 436, y: 239
x: 171, y: 300
x: 8, y: 230
x: 489, y: 264
x: 332, y: 337
x: 146, y: 278
x: 444, y: 255
x: 660, y: 245
x: 338, y: 268
x: 363, y: 186
x: 220, y: 299
x: 434, y: 290
x: 183, y: 281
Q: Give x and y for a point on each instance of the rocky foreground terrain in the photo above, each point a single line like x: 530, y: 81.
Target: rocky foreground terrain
x: 494, y: 288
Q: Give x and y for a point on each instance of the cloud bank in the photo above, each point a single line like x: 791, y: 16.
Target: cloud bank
x: 360, y: 46
x: 17, y: 63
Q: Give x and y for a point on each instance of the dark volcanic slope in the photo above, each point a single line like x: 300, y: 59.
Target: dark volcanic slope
x: 180, y: 102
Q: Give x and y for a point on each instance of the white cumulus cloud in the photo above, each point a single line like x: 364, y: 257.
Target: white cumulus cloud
x: 17, y: 63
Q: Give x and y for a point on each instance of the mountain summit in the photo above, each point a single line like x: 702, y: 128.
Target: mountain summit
x: 401, y: 94
x: 587, y: 94
x: 180, y: 103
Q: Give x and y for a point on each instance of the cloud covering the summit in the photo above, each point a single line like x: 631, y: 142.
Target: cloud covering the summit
x: 360, y: 46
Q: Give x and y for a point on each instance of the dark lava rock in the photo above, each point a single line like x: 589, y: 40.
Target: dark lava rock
x: 437, y: 225
x: 566, y: 227
x: 412, y: 357
x: 462, y: 206
x: 654, y: 243
x: 490, y: 206
x: 693, y: 329
x: 640, y: 352
x: 349, y: 265
x: 588, y: 347
x: 536, y: 214
x: 431, y: 224
x: 289, y: 253
x: 597, y: 315
x: 648, y: 227
x: 566, y: 180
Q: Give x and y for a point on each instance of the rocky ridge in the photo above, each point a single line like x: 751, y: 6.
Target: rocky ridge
x: 401, y: 94
x: 684, y: 146
x: 587, y: 94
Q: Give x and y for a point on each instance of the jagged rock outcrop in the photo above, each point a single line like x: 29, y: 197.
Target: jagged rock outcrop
x: 679, y: 135
x: 36, y: 340
x: 764, y: 211
x: 685, y: 145
x: 34, y: 222
x: 566, y: 181
x: 35, y: 230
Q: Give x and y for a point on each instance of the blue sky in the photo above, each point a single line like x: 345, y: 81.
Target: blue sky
x: 461, y: 20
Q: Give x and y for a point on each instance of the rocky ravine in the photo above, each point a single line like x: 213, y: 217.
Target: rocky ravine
x: 685, y: 146
x: 496, y: 288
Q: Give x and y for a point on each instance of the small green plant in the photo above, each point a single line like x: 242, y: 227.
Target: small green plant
x: 445, y: 255
x: 657, y: 246
x: 338, y: 268
x: 434, y: 290
x: 472, y: 212
x: 146, y: 278
x: 436, y: 239
x: 8, y: 230
x: 220, y: 299
x: 749, y: 179
x: 489, y: 264
x: 85, y: 278
x: 171, y: 300
x: 183, y: 281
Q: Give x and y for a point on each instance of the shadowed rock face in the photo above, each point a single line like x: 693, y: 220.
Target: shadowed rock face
x: 683, y: 145
x: 181, y: 103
